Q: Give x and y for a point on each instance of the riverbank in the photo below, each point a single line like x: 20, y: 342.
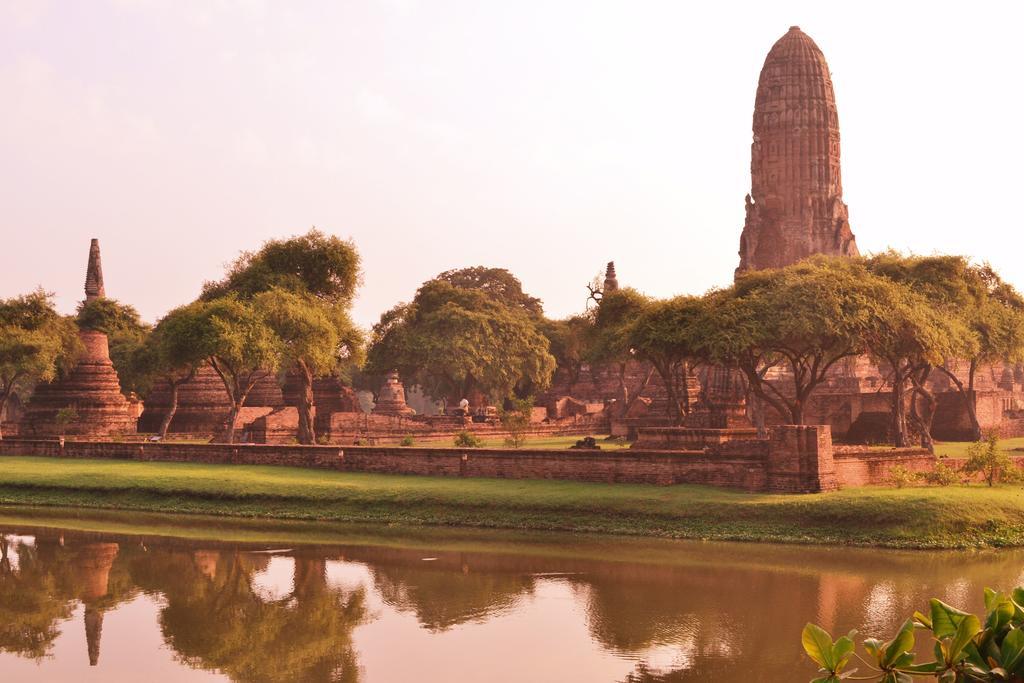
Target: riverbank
x: 953, y: 517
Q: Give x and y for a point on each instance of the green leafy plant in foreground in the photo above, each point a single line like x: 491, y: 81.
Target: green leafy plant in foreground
x: 965, y: 648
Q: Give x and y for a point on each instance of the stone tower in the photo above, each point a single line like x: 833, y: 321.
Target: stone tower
x: 795, y: 207
x: 611, y: 282
x: 94, y: 273
x: 91, y: 389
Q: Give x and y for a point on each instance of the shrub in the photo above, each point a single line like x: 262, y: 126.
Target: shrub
x: 966, y: 648
x: 899, y: 476
x: 323, y: 439
x: 466, y: 439
x: 942, y: 475
x: 994, y: 465
x: 64, y: 417
x: 517, y: 421
x: 408, y: 441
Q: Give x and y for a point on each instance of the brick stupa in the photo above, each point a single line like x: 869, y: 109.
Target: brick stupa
x: 91, y: 389
x: 391, y: 399
x: 795, y: 207
x: 203, y: 403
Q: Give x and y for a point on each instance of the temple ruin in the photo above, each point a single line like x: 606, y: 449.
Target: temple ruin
x: 88, y: 401
x: 795, y: 207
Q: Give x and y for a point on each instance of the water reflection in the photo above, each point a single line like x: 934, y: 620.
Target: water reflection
x: 559, y: 610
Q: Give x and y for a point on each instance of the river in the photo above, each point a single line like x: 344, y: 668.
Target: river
x: 154, y: 599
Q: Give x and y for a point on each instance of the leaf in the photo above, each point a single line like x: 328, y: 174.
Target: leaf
x: 944, y: 618
x: 832, y: 657
x: 818, y: 645
x: 965, y: 632
x: 1013, y: 651
x: 898, y: 647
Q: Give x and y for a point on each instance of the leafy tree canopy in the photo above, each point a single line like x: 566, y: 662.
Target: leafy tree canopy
x: 451, y: 340
x: 567, y: 341
x: 36, y: 343
x: 321, y: 265
x: 610, y: 337
x: 497, y: 283
x: 809, y: 316
x: 110, y: 316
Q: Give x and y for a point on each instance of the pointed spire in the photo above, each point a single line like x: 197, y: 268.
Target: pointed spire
x: 611, y: 283
x: 94, y: 274
x: 93, y: 633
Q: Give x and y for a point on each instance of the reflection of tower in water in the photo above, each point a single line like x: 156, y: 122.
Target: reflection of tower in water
x: 92, y: 567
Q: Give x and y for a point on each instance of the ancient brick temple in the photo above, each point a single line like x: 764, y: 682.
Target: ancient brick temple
x: 203, y: 403
x: 91, y: 390
x: 391, y: 399
x: 795, y: 207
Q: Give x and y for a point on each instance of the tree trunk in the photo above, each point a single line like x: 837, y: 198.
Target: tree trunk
x: 165, y: 424
x: 797, y: 412
x: 307, y: 430
x: 899, y: 409
x: 972, y: 409
x: 923, y: 421
x: 684, y: 388
x: 967, y: 394
x: 236, y: 408
x: 674, y: 415
x: 5, y: 395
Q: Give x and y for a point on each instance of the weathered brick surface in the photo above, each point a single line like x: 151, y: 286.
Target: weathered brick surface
x: 792, y: 460
x: 675, y: 467
x: 795, y: 207
x: 864, y: 467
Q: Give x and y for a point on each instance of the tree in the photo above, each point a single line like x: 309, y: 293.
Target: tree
x: 991, y: 310
x: 323, y: 266
x: 305, y: 285
x: 610, y: 341
x: 913, y: 338
x: 669, y: 335
x: 241, y: 347
x: 991, y: 462
x: 126, y: 333
x: 36, y: 343
x: 174, y: 352
x: 497, y: 283
x: 567, y: 342
x: 315, y: 339
x: 806, y: 317
x: 451, y: 341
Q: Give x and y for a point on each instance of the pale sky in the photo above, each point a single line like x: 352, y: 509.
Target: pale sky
x: 546, y: 137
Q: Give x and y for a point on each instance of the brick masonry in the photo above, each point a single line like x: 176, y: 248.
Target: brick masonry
x: 792, y: 460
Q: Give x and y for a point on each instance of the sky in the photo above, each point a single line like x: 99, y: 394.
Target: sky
x: 543, y: 136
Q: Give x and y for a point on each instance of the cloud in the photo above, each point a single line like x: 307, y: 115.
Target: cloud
x: 22, y: 14
x: 375, y: 108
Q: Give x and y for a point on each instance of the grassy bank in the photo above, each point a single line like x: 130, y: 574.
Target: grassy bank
x: 958, y: 449
x: 954, y: 517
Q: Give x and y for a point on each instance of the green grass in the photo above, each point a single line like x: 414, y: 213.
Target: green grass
x: 954, y: 517
x: 958, y: 449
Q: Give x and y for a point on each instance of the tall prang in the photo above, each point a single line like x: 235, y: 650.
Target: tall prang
x: 795, y: 207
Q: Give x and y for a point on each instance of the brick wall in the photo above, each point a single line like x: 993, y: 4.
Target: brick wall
x: 863, y: 466
x: 792, y: 460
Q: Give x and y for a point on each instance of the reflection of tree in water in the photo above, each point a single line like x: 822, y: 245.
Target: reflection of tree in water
x: 31, y: 602
x: 723, y: 622
x: 444, y: 593
x: 215, y: 619
x: 41, y: 593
